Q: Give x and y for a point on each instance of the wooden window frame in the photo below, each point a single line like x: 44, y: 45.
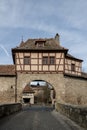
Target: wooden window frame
x: 45, y: 60
x: 73, y: 67
x: 27, y: 60
x: 48, y: 60
x: 40, y: 43
x: 52, y: 60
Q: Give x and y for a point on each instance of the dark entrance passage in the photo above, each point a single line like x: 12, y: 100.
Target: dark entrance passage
x: 44, y: 92
x: 26, y: 100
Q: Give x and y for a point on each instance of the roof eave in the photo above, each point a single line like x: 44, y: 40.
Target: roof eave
x: 37, y: 50
x: 74, y: 58
x: 7, y: 75
x: 75, y: 76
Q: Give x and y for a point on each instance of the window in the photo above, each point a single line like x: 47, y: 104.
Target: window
x: 72, y: 67
x: 40, y: 43
x: 26, y: 60
x: 48, y: 60
x: 45, y: 60
x: 52, y: 60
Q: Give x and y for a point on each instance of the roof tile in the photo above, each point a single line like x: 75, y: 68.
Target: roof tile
x: 28, y: 89
x: 49, y: 44
x: 7, y: 70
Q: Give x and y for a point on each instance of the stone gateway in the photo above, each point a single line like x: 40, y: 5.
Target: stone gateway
x: 46, y: 60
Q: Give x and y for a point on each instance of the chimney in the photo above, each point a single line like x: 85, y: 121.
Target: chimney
x: 57, y: 38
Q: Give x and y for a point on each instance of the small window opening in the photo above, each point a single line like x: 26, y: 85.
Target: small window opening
x: 52, y: 60
x: 72, y: 67
x: 45, y: 60
x: 26, y: 60
x: 40, y: 43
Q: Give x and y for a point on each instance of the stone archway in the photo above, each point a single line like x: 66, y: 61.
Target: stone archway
x: 56, y: 80
x: 38, y: 92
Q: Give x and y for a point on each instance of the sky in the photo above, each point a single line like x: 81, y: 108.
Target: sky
x: 43, y: 19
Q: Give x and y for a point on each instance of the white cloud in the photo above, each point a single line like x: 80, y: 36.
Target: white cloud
x: 27, y: 13
x: 66, y: 17
x: 4, y: 49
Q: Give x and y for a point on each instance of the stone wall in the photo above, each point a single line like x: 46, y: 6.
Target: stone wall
x: 68, y: 89
x: 8, y: 109
x: 7, y: 89
x: 75, y: 90
x: 74, y: 112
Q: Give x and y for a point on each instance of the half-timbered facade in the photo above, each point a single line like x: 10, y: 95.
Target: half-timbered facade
x: 45, y: 56
x: 73, y: 65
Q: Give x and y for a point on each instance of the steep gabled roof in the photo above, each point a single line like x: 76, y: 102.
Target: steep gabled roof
x: 7, y: 70
x: 49, y: 44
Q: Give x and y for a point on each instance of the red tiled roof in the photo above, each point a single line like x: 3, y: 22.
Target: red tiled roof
x: 28, y: 89
x: 7, y: 70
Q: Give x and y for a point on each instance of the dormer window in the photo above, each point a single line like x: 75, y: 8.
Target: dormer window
x: 40, y: 43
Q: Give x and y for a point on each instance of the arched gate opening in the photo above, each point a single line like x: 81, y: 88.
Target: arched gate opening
x: 39, y: 92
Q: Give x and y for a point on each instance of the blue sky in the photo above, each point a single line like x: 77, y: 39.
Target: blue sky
x: 43, y: 19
